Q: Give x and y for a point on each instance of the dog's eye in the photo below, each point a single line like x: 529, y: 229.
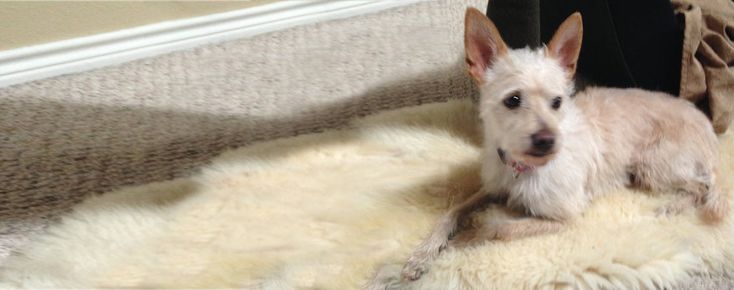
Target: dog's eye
x: 512, y: 101
x: 556, y: 103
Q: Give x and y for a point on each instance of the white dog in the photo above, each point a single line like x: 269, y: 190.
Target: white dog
x: 549, y: 152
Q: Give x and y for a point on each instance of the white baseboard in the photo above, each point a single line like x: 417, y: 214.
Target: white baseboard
x: 86, y: 53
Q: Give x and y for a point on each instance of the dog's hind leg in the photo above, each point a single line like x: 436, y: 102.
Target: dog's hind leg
x: 715, y: 204
x: 677, y: 206
x: 692, y: 173
x: 527, y: 227
x: 507, y: 230
x: 705, y: 196
x: 437, y: 240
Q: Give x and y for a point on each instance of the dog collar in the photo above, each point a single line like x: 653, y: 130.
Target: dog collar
x: 517, y: 167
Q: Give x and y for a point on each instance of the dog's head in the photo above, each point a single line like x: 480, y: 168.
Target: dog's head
x: 524, y: 92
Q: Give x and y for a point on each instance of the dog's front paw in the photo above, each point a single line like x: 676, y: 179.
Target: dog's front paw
x: 417, y: 264
x: 427, y: 251
x: 414, y: 269
x: 387, y: 277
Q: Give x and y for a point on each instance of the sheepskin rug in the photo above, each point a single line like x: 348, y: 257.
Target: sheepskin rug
x: 330, y: 210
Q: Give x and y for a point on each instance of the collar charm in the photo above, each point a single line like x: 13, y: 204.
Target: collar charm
x: 517, y: 167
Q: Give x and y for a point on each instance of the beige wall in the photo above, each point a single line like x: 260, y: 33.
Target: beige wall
x: 30, y: 23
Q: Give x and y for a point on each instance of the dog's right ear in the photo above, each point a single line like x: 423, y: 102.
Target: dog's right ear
x: 482, y: 43
x: 566, y: 43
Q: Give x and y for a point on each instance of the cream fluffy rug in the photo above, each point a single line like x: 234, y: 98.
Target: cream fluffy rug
x: 328, y: 210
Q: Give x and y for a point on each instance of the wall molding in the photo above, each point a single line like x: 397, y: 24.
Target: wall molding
x: 86, y: 53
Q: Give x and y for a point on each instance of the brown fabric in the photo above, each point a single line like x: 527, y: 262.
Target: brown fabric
x: 707, y: 71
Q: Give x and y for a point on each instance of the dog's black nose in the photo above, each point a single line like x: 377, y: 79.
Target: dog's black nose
x: 543, y: 141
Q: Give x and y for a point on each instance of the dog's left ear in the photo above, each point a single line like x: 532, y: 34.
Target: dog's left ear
x: 566, y: 43
x: 482, y: 42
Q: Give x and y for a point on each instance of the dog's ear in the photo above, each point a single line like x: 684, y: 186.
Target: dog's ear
x: 566, y: 42
x: 482, y: 42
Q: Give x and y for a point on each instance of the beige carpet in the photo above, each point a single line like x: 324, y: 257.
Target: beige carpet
x: 326, y: 211
x: 159, y: 118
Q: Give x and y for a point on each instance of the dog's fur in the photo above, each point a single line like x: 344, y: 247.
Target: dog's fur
x: 603, y: 139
